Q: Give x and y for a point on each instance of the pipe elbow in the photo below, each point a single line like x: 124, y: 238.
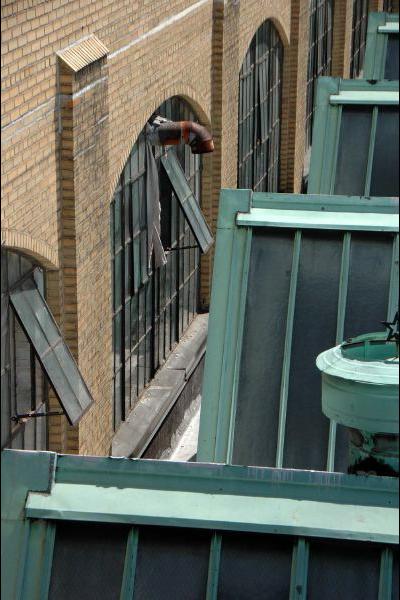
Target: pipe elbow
x: 172, y: 133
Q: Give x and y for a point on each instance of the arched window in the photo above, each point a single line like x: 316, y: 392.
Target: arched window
x: 388, y: 6
x: 319, y: 55
x: 23, y: 386
x: 260, y: 111
x: 152, y: 307
x: 359, y: 37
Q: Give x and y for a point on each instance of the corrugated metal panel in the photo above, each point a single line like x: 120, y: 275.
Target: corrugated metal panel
x: 95, y: 557
x: 83, y: 52
x: 382, y: 49
x: 281, y: 295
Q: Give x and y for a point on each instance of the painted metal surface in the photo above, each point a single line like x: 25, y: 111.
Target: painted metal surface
x: 354, y: 112
x: 382, y: 50
x: 51, y: 349
x: 189, y: 496
x: 188, y: 202
x: 279, y: 295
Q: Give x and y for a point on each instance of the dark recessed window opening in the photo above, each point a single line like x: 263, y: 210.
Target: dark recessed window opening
x: 319, y: 55
x: 359, y: 37
x: 260, y: 88
x: 152, y: 307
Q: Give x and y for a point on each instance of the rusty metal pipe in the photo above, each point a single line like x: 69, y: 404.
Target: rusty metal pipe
x: 172, y: 133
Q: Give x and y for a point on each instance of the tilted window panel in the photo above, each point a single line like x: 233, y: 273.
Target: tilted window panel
x: 175, y: 530
x: 152, y: 307
x: 187, y: 201
x: 356, y: 139
x: 260, y: 89
x: 382, y: 50
x: 358, y: 37
x: 293, y: 276
x: 319, y: 54
x: 23, y: 386
x: 51, y: 349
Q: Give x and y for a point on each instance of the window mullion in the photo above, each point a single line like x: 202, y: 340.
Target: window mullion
x: 371, y: 151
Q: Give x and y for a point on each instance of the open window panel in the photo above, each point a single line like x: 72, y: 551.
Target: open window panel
x: 293, y: 276
x: 382, y: 49
x: 50, y: 348
x: 355, y: 149
x: 187, y: 200
x: 86, y: 527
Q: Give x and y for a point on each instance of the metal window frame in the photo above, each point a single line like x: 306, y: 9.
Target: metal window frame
x: 240, y: 211
x: 155, y: 306
x: 359, y: 37
x: 48, y: 488
x: 259, y: 111
x: 380, y: 25
x: 332, y: 94
x: 47, y: 341
x: 319, y: 55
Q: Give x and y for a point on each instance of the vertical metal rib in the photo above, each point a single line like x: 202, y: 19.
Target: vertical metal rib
x: 386, y: 575
x: 213, y: 567
x: 394, y: 281
x: 341, y: 313
x: 288, y: 349
x: 337, y: 131
x: 299, y: 571
x: 128, y: 578
x: 47, y: 560
x: 371, y: 152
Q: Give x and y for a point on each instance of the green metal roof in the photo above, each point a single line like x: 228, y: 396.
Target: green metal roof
x: 293, y: 276
x: 86, y: 527
x: 382, y: 48
x: 355, y: 138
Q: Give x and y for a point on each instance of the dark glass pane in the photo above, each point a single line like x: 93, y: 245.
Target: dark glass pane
x: 172, y: 564
x: 355, y: 130
x: 385, y: 166
x: 254, y: 567
x: 88, y: 561
x: 367, y: 297
x: 117, y: 221
x: 343, y: 570
x: 395, y: 583
x: 260, y: 370
x: 392, y: 57
x: 314, y: 330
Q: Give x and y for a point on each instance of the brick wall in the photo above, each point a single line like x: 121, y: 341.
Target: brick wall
x: 66, y: 134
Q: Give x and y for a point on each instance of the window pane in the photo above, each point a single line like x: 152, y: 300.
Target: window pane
x: 353, y: 150
x: 392, y: 57
x: 385, y: 175
x: 88, y: 561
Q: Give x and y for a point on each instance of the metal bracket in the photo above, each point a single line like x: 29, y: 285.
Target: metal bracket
x: 18, y: 418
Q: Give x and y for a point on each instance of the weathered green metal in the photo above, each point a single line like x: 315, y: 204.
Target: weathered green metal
x: 360, y: 386
x: 325, y: 504
x: 380, y: 26
x: 332, y: 95
x: 227, y: 325
x: 188, y: 202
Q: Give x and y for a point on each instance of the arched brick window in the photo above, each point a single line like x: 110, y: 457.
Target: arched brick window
x: 152, y: 307
x: 260, y: 86
x: 319, y: 54
x: 359, y: 37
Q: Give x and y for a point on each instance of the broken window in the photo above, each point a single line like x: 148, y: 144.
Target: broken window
x: 260, y: 89
x: 359, y: 37
x: 32, y: 346
x: 152, y: 307
x: 319, y: 55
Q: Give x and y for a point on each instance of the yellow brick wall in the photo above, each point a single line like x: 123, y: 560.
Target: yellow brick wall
x: 66, y: 136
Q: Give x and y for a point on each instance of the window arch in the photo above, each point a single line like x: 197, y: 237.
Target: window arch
x: 152, y: 307
x: 359, y: 37
x: 260, y: 90
x: 319, y: 55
